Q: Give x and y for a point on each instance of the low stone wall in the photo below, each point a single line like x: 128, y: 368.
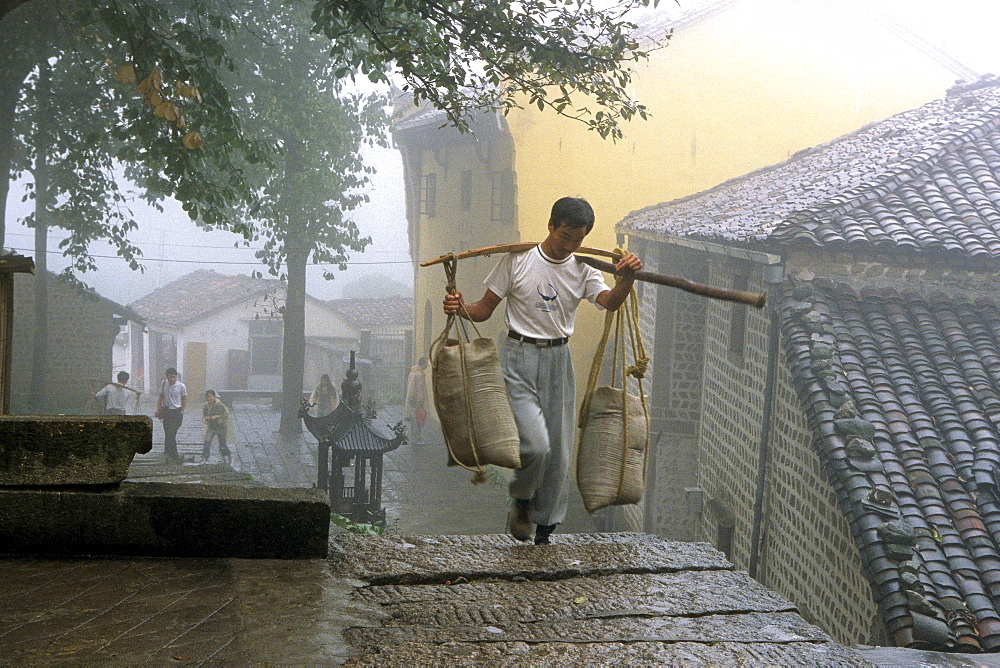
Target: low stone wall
x: 163, y: 519
x: 70, y: 449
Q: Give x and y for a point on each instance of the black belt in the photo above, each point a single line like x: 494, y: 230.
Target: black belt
x: 542, y: 343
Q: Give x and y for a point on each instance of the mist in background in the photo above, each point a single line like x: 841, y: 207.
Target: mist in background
x: 173, y: 245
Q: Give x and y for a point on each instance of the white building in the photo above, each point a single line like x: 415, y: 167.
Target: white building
x: 225, y: 333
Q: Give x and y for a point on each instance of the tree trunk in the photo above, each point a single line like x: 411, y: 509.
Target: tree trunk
x: 22, y: 45
x: 10, y: 90
x: 293, y: 350
x: 8, y: 101
x: 40, y: 341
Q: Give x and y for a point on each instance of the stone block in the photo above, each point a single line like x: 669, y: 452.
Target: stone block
x: 164, y: 519
x: 70, y: 449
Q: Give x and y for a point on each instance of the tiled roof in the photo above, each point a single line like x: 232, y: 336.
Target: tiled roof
x: 902, y: 393
x: 199, y: 293
x: 375, y: 312
x: 923, y: 180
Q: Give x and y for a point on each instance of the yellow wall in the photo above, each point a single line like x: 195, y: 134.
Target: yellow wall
x: 453, y: 229
x: 736, y: 91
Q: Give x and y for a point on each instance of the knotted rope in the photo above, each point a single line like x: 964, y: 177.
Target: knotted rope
x: 450, y: 271
x: 626, y: 326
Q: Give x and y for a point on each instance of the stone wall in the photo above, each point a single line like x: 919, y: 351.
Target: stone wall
x: 81, y: 335
x: 901, y: 272
x: 809, y: 554
x: 673, y: 327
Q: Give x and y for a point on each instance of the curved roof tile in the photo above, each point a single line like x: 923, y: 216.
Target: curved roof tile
x: 906, y: 414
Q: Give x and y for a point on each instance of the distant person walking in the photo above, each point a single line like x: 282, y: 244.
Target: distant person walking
x: 416, y: 400
x: 324, y: 398
x: 216, y: 417
x: 114, y: 396
x: 170, y: 408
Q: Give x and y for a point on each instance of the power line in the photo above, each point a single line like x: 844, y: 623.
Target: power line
x: 221, y: 262
x: 250, y: 248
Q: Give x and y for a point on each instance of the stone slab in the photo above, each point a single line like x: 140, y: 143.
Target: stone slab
x: 771, y: 627
x: 162, y: 519
x: 70, y: 449
x: 174, y: 612
x: 615, y: 596
x: 402, y: 559
x: 603, y: 654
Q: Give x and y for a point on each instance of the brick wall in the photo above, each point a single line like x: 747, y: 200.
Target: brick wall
x: 732, y: 404
x: 673, y: 326
x: 81, y: 335
x: 809, y: 555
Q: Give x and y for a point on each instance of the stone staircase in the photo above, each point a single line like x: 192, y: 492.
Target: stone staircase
x: 591, y: 599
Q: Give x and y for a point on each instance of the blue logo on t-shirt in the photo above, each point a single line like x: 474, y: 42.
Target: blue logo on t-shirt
x: 548, y: 301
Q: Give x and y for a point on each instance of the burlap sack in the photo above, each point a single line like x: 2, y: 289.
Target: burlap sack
x: 471, y: 401
x: 609, y: 471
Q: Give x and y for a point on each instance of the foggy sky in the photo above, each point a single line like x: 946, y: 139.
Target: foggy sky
x: 174, y: 246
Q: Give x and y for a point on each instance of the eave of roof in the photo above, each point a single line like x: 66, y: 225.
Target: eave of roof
x: 902, y: 393
x: 198, y: 294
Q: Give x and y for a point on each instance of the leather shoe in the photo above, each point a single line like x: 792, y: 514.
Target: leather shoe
x: 518, y: 522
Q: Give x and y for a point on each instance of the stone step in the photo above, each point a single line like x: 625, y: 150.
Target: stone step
x: 771, y: 627
x: 588, y: 599
x: 621, y: 595
x: 516, y: 654
x: 400, y: 559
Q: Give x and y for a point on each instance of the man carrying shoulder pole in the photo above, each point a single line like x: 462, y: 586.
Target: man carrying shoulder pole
x: 543, y: 287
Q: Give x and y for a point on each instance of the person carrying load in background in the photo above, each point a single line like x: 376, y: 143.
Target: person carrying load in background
x: 543, y: 287
x: 114, y: 397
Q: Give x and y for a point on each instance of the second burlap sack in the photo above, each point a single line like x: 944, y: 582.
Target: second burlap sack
x: 611, y: 460
x: 471, y: 401
x: 614, y: 424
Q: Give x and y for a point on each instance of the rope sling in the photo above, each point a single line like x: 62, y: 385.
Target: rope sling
x: 470, y: 395
x: 613, y: 438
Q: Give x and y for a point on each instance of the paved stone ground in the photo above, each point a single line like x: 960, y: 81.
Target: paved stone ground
x: 588, y: 598
x: 94, y: 611
x: 420, y: 493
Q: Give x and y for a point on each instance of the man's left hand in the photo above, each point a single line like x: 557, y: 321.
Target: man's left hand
x: 629, y: 264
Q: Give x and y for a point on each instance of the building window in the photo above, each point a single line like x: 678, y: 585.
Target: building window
x: 428, y: 195
x: 502, y: 197
x: 265, y: 347
x: 466, y: 192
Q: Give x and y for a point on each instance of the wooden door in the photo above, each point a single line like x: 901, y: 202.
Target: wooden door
x: 195, y: 363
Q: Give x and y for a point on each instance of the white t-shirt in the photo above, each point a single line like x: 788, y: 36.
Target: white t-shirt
x: 542, y: 293
x: 115, y: 397
x: 172, y: 394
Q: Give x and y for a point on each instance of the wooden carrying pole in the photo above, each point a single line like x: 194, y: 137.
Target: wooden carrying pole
x: 756, y: 299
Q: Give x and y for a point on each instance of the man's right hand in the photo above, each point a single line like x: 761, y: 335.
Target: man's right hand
x: 451, y: 303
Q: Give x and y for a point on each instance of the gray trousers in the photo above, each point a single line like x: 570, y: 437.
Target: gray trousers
x: 542, y: 390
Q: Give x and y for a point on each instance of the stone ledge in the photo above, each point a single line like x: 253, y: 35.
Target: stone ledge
x: 163, y: 519
x: 70, y: 449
